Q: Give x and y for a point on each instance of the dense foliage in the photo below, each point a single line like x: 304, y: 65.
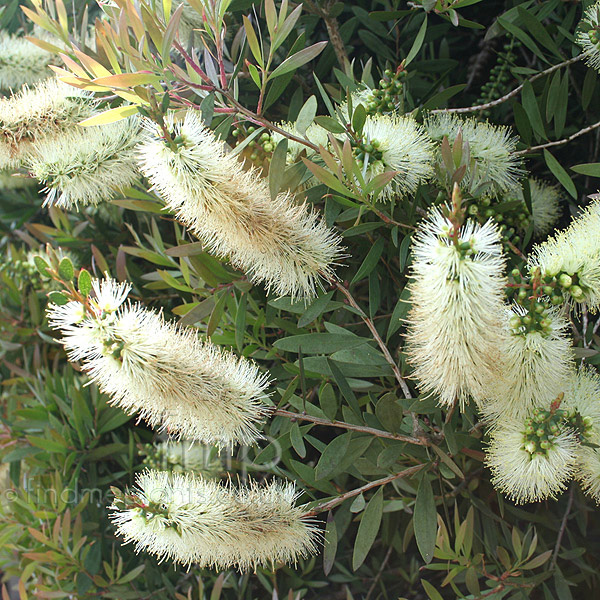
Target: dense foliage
x: 395, y: 477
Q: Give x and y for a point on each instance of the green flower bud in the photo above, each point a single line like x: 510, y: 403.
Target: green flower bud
x: 565, y: 280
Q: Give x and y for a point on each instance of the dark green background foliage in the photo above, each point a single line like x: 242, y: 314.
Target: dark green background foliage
x: 57, y: 434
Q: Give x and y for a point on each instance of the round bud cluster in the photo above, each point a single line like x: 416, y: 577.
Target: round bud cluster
x: 513, y: 222
x: 386, y: 97
x: 594, y: 35
x: 261, y: 148
x: 367, y: 152
x: 499, y: 75
x: 581, y: 425
x: 540, y: 430
x: 537, y: 303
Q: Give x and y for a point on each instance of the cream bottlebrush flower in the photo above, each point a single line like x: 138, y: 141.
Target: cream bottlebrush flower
x: 21, y: 62
x: 527, y: 473
x: 545, y: 203
x: 394, y: 143
x: 534, y: 368
x: 571, y: 258
x: 588, y: 36
x: 455, y: 331
x: 274, y: 241
x: 582, y: 395
x: 582, y: 403
x: 44, y: 111
x: 491, y: 159
x: 191, y: 520
x: 164, y: 373
x: 88, y: 165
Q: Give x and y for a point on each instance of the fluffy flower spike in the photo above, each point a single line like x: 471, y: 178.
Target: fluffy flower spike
x: 588, y: 36
x: 21, y: 62
x: 456, y: 295
x: 534, y: 365
x: 545, y: 203
x: 275, y: 241
x: 571, y: 258
x: 43, y: 111
x: 490, y: 160
x: 87, y: 166
x: 524, y: 471
x: 190, y: 520
x: 165, y: 374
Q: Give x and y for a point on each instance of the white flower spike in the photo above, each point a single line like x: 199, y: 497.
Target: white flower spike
x: 190, y: 520
x: 162, y: 372
x: 455, y: 334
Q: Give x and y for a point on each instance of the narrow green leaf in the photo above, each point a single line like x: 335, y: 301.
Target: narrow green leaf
x: 417, y: 43
x: 389, y: 412
x: 297, y: 441
x: 532, y: 109
x: 240, y: 323
x: 297, y: 60
x: 306, y: 115
x: 277, y: 167
x: 330, y: 544
x: 368, y: 529
x: 330, y: 457
x: 330, y: 124
x: 425, y: 520
x: 370, y: 261
x: 252, y: 40
x: 344, y: 387
x: 315, y: 309
x: 431, y: 592
x: 319, y: 343
x: 591, y: 169
x: 560, y: 174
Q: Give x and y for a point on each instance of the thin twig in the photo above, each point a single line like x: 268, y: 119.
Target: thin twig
x: 391, y: 221
x: 369, y: 323
x: 562, y: 529
x: 333, y: 30
x: 379, y: 572
x: 325, y: 506
x: 560, y: 142
x: 351, y: 426
x: 510, y: 94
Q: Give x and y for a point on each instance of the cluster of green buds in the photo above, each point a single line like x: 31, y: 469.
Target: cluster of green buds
x: 514, y: 220
x: 594, y: 35
x: 261, y: 148
x: 582, y: 426
x: 388, y: 95
x: 528, y: 292
x: 542, y: 428
x: 500, y: 75
x: 367, y: 152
